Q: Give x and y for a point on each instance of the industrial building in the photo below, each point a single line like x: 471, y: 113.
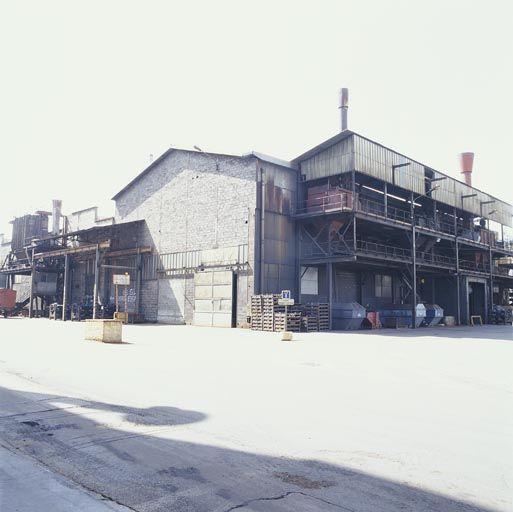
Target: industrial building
x: 198, y: 234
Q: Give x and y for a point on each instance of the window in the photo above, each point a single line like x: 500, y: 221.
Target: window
x: 383, y: 286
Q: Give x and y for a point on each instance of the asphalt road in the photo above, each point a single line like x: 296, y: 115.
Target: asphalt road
x: 189, y: 419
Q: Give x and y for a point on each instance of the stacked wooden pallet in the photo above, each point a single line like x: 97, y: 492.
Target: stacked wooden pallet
x: 323, y: 313
x: 256, y: 312
x: 267, y: 315
x: 269, y: 303
x: 317, y: 317
x: 262, y: 311
x: 310, y: 323
x: 287, y: 321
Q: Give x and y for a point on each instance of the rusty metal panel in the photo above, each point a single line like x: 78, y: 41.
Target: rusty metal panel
x: 280, y: 188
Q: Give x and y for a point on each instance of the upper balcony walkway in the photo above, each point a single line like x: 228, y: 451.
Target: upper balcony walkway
x: 314, y: 252
x: 374, y: 210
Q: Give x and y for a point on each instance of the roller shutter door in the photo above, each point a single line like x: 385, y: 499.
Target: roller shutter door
x: 346, y: 286
x: 213, y: 298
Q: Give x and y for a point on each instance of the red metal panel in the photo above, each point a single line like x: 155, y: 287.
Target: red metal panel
x: 7, y: 298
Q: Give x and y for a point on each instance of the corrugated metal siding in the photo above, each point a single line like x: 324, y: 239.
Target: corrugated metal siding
x: 377, y: 161
x: 444, y: 192
x: 450, y: 192
x: 504, y: 213
x: 336, y: 159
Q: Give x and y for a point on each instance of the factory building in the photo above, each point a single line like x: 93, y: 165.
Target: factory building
x: 348, y: 222
x: 377, y: 228
x: 221, y: 229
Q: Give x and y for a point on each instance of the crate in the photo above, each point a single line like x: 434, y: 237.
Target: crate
x: 321, y: 312
x: 310, y: 323
x: 288, y: 321
x: 268, y: 315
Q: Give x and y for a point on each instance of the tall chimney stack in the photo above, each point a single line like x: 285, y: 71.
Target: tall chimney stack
x: 466, y: 164
x: 343, y: 101
x: 56, y: 216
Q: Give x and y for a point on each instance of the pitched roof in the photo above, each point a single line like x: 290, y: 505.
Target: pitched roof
x: 143, y: 173
x: 253, y: 154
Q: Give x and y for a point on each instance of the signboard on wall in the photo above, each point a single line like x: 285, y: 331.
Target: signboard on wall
x: 121, y: 279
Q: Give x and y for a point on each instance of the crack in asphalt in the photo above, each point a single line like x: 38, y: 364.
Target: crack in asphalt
x: 284, y: 495
x: 80, y: 485
x: 8, y: 416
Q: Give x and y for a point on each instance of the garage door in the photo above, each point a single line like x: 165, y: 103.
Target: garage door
x: 213, y: 298
x: 171, y: 302
x: 346, y: 286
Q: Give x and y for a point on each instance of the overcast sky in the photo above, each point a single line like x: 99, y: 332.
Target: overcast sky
x: 90, y: 89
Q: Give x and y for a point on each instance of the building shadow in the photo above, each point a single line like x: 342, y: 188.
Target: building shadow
x: 121, y: 453
x: 479, y: 332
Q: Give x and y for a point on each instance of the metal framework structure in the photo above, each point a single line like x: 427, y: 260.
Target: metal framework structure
x: 365, y: 222
x: 57, y: 254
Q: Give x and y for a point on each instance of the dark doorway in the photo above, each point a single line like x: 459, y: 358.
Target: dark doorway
x: 477, y: 299
x: 234, y: 299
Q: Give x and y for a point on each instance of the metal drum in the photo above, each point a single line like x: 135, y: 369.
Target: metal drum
x: 434, y: 315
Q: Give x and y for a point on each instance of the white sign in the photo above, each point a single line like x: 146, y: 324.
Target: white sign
x: 286, y: 302
x: 285, y: 294
x: 121, y: 279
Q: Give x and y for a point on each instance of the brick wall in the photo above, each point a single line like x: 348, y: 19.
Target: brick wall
x: 191, y: 201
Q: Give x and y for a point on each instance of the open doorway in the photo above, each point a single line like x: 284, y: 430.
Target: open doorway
x: 477, y: 299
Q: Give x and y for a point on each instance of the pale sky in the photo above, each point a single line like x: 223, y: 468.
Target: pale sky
x: 90, y: 89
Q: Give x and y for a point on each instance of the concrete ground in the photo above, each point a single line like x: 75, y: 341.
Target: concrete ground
x: 198, y: 419
x: 27, y: 486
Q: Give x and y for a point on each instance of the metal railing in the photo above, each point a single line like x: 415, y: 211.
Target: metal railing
x: 505, y: 244
x: 337, y: 201
x: 387, y: 251
x: 502, y: 271
x: 343, y: 201
x: 474, y: 266
x: 363, y: 247
x: 371, y: 207
x: 436, y: 259
x: 434, y: 224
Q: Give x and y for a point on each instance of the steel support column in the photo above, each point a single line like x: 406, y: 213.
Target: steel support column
x: 262, y: 232
x: 353, y: 188
x: 458, y: 298
x: 385, y: 199
x: 138, y: 280
x: 96, y: 281
x: 457, y: 250
x: 414, y: 263
x: 329, y: 274
x: 491, y: 282
x: 297, y: 260
x: 355, y: 247
x: 32, y: 282
x: 65, y: 286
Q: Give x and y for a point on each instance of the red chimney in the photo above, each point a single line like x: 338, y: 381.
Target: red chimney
x: 466, y: 164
